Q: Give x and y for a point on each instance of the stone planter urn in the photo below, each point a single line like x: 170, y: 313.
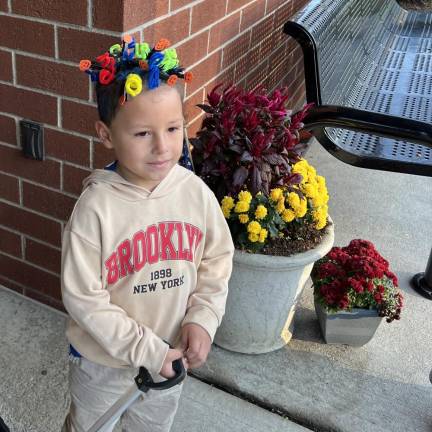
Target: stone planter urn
x: 262, y: 296
x: 355, y: 328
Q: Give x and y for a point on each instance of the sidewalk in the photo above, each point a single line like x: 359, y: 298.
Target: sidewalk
x: 33, y: 380
x: 383, y: 386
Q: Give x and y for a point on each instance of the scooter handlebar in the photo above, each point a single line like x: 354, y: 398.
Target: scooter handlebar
x: 144, y: 381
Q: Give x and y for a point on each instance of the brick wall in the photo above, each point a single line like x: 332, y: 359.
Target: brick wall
x: 41, y: 43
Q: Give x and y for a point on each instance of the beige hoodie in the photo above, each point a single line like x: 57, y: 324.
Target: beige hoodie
x: 137, y: 265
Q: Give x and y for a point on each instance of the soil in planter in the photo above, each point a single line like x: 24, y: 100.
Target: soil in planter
x: 301, y: 239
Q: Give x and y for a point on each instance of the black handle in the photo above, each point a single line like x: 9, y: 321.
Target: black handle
x: 144, y: 381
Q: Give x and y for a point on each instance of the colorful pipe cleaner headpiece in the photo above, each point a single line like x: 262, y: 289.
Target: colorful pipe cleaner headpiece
x: 131, y: 62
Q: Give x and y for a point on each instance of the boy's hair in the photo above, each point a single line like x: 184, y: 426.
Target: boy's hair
x: 122, y: 71
x: 107, y: 97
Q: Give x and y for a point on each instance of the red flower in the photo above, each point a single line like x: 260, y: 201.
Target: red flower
x: 357, y: 276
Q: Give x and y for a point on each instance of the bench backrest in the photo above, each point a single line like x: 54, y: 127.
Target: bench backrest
x: 364, y: 42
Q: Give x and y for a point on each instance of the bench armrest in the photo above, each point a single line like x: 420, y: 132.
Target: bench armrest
x: 369, y: 122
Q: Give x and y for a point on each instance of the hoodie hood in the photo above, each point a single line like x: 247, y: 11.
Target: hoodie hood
x: 110, y: 179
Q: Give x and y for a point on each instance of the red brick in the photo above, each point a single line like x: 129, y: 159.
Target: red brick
x: 174, y: 28
x: 225, y: 78
x: 176, y: 4
x: 102, y: 156
x: 236, y: 4
x: 42, y: 255
x: 48, y: 75
x: 67, y: 147
x: 46, y: 172
x: 11, y: 285
x: 70, y: 12
x: 8, y: 130
x: 190, y: 110
x: 109, y: 18
x: 298, y: 4
x: 31, y: 224
x: 79, y: 117
x: 279, y: 56
x: 235, y: 49
x: 262, y: 30
x: 194, y: 49
x: 206, y: 13
x: 267, y: 46
x: 54, y: 204
x: 43, y: 108
x: 75, y: 45
x: 257, y: 77
x: 194, y: 127
x: 137, y: 14
x: 204, y: 71
x: 276, y: 74
x: 53, y: 301
x: 10, y: 243
x: 26, y: 35
x: 252, y: 14
x: 72, y: 179
x: 224, y: 31
x: 6, y: 66
x: 274, y: 4
x: 9, y: 188
x: 246, y: 63
x: 29, y: 276
x: 4, y: 5
x: 282, y: 15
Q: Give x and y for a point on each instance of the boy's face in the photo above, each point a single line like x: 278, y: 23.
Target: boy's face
x: 146, y: 135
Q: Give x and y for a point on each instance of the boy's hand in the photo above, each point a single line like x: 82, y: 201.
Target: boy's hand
x: 196, y: 343
x: 167, y: 370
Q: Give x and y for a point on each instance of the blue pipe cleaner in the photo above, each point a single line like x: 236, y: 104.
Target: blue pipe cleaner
x: 129, y: 55
x: 153, y: 79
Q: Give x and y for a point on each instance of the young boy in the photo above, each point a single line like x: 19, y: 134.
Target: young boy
x: 147, y: 253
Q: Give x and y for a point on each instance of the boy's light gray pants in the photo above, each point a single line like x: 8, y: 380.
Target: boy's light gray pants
x: 95, y: 388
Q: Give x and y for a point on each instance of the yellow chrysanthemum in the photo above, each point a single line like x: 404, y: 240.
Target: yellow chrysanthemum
x: 288, y: 215
x: 260, y: 212
x: 310, y: 190
x: 321, y: 223
x: 275, y: 194
x: 245, y: 196
x: 254, y: 227
x: 318, y: 214
x: 321, y: 180
x: 253, y: 237
x: 301, y: 210
x: 317, y: 201
x: 262, y: 235
x: 133, y: 84
x: 293, y: 200
x: 243, y: 218
x: 280, y: 206
x: 311, y: 172
x: 226, y: 212
x: 228, y: 202
x: 241, y: 207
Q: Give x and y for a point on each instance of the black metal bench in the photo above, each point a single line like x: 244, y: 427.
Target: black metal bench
x: 368, y: 70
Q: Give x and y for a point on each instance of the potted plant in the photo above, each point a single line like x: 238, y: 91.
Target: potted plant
x: 248, y: 151
x: 354, y: 290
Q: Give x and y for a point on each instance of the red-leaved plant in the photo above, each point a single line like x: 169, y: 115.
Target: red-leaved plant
x: 357, y: 276
x: 248, y: 140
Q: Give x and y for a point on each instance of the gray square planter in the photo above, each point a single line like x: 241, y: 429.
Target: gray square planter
x: 354, y: 328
